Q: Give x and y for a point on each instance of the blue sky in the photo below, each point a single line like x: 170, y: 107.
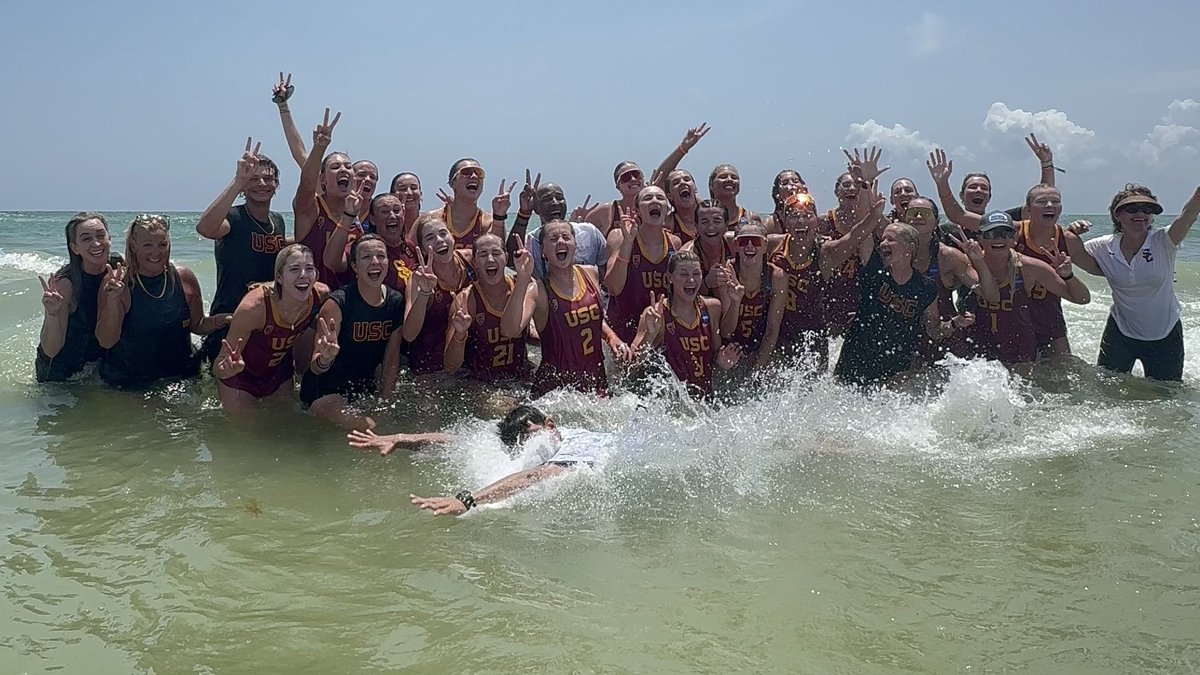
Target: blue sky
x: 146, y: 106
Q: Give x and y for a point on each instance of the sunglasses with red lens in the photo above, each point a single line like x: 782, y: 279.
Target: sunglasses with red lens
x: 630, y: 176
x: 470, y: 172
x: 749, y: 241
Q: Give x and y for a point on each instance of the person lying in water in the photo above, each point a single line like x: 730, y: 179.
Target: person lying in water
x: 524, y: 424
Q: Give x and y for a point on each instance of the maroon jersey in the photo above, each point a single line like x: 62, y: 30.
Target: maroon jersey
x: 645, y: 274
x: 402, y: 260
x: 572, y: 355
x: 318, y: 238
x: 1004, y: 330
x: 706, y: 265
x: 805, y: 308
x: 268, y: 352
x: 690, y: 349
x: 752, y: 318
x: 841, y: 289
x: 489, y: 355
x: 1045, y: 308
x: 472, y: 230
x: 427, y: 353
x: 678, y: 231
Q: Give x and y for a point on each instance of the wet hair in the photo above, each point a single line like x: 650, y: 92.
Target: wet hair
x: 512, y: 427
x: 325, y: 164
x: 1129, y: 190
x: 712, y: 177
x: 366, y: 161
x: 402, y: 174
x: 73, y: 270
x: 903, y: 178
x: 546, y: 226
x: 422, y: 222
x: 150, y: 224
x: 778, y: 181
x: 381, y: 196
x: 457, y: 166
x: 622, y: 168
x: 909, y: 234
x: 681, y: 257
x: 977, y: 174
x: 712, y: 204
x: 263, y: 160
x: 281, y: 259
x: 667, y: 182
x: 486, y: 235
x: 1035, y: 188
x: 353, y: 259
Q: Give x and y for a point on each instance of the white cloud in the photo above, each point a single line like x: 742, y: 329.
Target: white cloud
x: 1173, y: 139
x: 1068, y: 139
x: 929, y: 35
x: 1182, y: 112
x: 896, y: 138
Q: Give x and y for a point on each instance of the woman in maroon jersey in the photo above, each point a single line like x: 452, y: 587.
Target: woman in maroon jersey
x: 460, y: 210
x: 442, y: 271
x: 325, y: 181
x: 1040, y: 236
x: 567, y: 312
x: 755, y: 296
x: 475, y: 335
x: 711, y: 244
x: 681, y: 192
x: 687, y: 326
x: 407, y: 186
x: 387, y: 213
x: 638, y: 252
x: 1004, y: 329
x: 256, y: 357
x: 809, y: 263
x: 787, y: 183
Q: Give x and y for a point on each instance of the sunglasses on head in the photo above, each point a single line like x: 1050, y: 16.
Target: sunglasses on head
x: 153, y: 219
x: 999, y: 233
x: 630, y: 176
x: 1137, y: 208
x: 470, y: 172
x: 749, y: 240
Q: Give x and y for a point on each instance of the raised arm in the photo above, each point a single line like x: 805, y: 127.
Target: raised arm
x: 113, y: 304
x: 304, y: 205
x: 730, y: 293
x: 460, y: 327
x: 1045, y: 156
x: 671, y: 162
x: 334, y: 257
x: 868, y: 209
x: 940, y: 169
x: 213, y: 223
x: 280, y: 94
x: 525, y: 201
x: 521, y: 301
x: 56, y: 300
x: 421, y: 284
x: 1187, y: 217
x: 620, y: 247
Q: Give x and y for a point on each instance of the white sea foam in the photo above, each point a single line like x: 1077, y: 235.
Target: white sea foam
x: 14, y: 264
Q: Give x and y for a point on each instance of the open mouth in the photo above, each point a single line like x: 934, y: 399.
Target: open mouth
x: 442, y: 249
x: 885, y: 254
x: 904, y: 204
x: 491, y: 269
x: 343, y: 183
x: 561, y: 253
x: 977, y: 201
x: 302, y: 286
x: 998, y: 246
x: 690, y: 288
x: 374, y: 274
x: 555, y: 213
x: 685, y: 193
x: 473, y: 186
x: 655, y: 212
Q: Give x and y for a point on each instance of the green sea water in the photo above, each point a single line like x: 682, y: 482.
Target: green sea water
x: 1044, y: 527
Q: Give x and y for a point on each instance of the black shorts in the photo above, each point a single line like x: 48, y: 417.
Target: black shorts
x: 1161, y: 359
x: 313, y: 387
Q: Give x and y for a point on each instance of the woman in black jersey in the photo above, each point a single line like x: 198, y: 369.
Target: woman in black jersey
x: 895, y: 303
x: 69, y: 296
x: 358, y: 331
x: 148, y: 311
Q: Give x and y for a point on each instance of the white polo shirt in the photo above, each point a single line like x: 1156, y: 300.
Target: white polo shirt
x: 1143, y: 289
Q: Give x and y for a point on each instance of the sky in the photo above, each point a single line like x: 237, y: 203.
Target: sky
x: 146, y: 106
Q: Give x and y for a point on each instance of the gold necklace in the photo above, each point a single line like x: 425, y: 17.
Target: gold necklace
x: 147, y: 290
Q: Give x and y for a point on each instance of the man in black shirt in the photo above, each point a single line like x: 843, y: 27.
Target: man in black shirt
x: 247, y: 236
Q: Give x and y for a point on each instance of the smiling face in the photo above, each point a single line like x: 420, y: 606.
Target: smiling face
x: 921, y: 216
x: 467, y: 179
x: 336, y: 175
x: 710, y: 222
x: 788, y: 183
x: 295, y: 272
x: 998, y: 242
x: 1134, y: 219
x: 151, y: 249
x: 370, y: 261
x: 630, y: 180
x: 897, y: 245
x: 976, y: 193
x: 368, y: 176
x: 435, y: 238
x: 846, y: 190
x: 489, y: 259
x: 550, y: 203
x: 387, y: 216
x: 558, y: 244
x: 903, y: 190
x: 686, y: 280
x: 407, y: 187
x: 750, y: 242
x: 725, y: 182
x: 652, y: 206
x: 261, y: 188
x: 682, y: 190
x: 1043, y: 205
x: 92, y: 244
x: 800, y: 220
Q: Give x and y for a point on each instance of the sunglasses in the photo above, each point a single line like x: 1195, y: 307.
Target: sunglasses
x: 919, y: 213
x: 999, y: 233
x: 630, y: 176
x: 470, y: 172
x: 1137, y: 208
x: 749, y: 241
x: 153, y: 219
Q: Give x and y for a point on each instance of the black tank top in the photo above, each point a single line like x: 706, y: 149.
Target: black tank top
x: 80, y: 346
x: 244, y: 256
x: 364, y: 333
x: 155, y: 339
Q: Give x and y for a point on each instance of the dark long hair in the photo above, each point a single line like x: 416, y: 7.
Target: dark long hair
x: 73, y: 270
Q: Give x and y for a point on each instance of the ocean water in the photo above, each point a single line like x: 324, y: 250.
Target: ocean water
x: 999, y: 525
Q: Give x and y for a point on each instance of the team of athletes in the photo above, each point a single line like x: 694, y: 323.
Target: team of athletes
x: 659, y: 277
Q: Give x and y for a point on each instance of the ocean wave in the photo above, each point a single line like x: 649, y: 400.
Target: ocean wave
x: 30, y: 262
